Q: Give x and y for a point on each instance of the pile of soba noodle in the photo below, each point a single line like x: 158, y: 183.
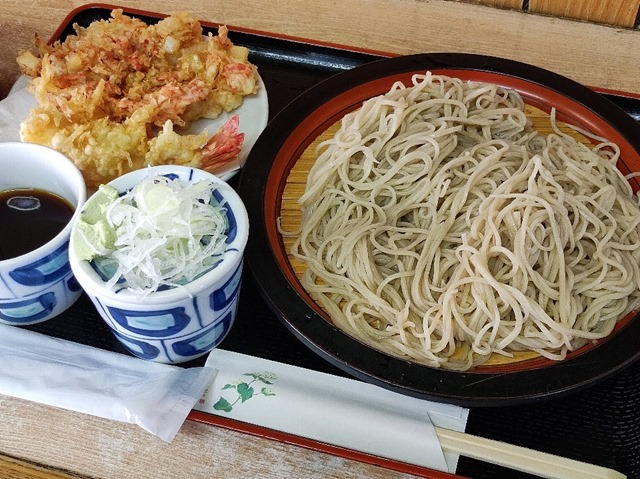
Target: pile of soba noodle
x: 439, y: 227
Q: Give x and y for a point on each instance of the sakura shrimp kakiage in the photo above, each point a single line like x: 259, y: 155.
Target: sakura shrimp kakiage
x: 119, y: 94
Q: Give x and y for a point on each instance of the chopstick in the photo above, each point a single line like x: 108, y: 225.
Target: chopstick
x: 521, y: 458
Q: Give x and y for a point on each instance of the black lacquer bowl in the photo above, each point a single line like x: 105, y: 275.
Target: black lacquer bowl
x: 287, y: 136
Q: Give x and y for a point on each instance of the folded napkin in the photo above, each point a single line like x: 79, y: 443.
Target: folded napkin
x: 157, y: 397
x: 14, y: 109
x: 331, y: 409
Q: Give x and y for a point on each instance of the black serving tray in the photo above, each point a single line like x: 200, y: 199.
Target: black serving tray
x: 599, y: 425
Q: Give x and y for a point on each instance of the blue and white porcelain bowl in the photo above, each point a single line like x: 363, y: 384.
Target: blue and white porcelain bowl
x: 174, y: 325
x: 39, y: 284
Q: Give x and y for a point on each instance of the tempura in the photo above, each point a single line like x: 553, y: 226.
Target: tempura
x: 112, y: 94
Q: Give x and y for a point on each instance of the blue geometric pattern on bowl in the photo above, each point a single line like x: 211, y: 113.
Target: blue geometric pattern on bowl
x: 182, y: 348
x: 206, y: 340
x: 27, y: 310
x: 180, y: 333
x: 224, y: 296
x: 174, y: 176
x: 232, y: 224
x: 157, y: 323
x: 46, y: 270
x: 138, y: 348
x: 105, y: 269
x: 73, y: 285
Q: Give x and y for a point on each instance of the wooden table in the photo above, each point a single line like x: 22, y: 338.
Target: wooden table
x: 42, y: 442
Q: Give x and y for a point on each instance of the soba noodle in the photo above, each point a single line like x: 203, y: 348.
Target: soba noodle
x: 439, y: 227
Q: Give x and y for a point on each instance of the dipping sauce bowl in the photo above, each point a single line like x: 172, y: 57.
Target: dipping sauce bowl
x: 37, y: 284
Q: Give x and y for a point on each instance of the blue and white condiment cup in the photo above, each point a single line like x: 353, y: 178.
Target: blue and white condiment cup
x: 178, y: 324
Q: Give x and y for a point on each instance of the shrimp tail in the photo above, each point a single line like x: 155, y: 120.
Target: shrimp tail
x: 223, y: 147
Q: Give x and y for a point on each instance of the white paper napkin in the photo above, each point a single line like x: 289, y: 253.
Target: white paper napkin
x: 331, y: 409
x: 157, y: 397
x: 13, y: 110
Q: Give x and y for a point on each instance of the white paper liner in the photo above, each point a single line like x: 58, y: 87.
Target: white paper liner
x: 13, y: 109
x: 331, y: 409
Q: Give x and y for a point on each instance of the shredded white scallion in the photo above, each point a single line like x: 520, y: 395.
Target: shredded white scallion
x: 168, y: 233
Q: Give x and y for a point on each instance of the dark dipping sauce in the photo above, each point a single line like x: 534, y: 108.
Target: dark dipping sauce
x: 29, y: 218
